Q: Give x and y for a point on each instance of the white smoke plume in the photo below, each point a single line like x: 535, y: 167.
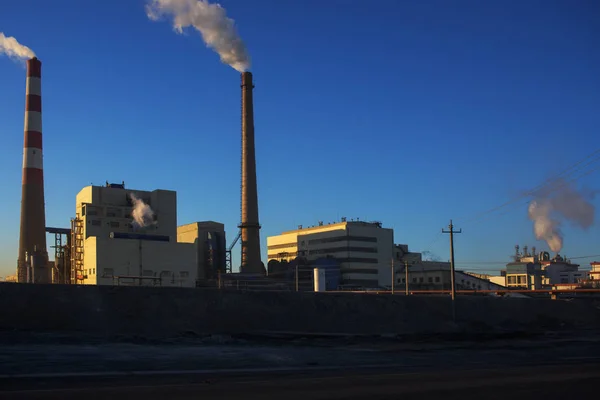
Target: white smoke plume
x: 217, y: 30
x: 560, y: 202
x: 142, y: 213
x: 14, y: 49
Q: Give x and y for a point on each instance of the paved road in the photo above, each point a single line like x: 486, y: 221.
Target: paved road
x: 532, y: 382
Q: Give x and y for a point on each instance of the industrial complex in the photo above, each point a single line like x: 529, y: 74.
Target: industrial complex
x: 128, y: 236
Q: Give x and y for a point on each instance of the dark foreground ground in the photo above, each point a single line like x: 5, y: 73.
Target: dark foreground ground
x: 553, y: 365
x: 532, y: 382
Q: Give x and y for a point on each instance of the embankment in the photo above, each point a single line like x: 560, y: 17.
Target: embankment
x: 170, y: 312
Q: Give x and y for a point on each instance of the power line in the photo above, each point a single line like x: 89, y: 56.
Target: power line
x: 592, y: 157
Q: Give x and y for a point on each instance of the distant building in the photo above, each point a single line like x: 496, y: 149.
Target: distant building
x: 524, y: 275
x: 436, y: 275
x: 364, y: 249
x: 537, y: 271
x: 594, y: 274
x: 11, y: 278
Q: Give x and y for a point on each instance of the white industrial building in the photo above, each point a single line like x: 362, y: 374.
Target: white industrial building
x: 535, y: 271
x: 110, y: 248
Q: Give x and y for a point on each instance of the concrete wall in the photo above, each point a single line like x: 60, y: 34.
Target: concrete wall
x: 151, y: 312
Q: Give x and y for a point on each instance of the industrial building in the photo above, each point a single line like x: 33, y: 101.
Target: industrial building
x: 532, y: 271
x: 208, y: 238
x: 594, y: 274
x: 437, y: 275
x: 363, y: 249
x: 130, y: 237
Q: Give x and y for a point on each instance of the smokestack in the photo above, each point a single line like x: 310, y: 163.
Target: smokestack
x: 32, y: 239
x: 249, y: 226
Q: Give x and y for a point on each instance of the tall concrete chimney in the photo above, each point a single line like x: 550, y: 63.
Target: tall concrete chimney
x: 32, y: 240
x: 249, y: 225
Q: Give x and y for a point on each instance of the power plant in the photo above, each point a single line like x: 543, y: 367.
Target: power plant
x: 102, y: 236
x: 32, y: 263
x: 249, y: 225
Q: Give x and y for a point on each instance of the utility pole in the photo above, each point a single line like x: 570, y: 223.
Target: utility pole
x: 296, y: 276
x: 393, y: 275
x: 452, y: 277
x: 406, y: 277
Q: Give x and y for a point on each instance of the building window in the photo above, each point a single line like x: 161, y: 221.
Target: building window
x: 430, y: 279
x: 343, y: 239
x: 437, y: 279
x: 108, y: 273
x: 420, y: 280
x: 414, y: 280
x: 360, y: 271
x: 184, y: 274
x: 362, y: 260
x: 96, y: 222
x: 114, y: 224
x: 281, y: 246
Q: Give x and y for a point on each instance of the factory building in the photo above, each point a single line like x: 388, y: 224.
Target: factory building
x: 594, y: 274
x: 208, y: 238
x: 130, y: 237
x: 437, y: 275
x: 533, y: 271
x: 363, y: 249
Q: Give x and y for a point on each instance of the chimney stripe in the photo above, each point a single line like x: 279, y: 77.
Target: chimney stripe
x: 34, y: 68
x: 34, y: 86
x: 33, y: 175
x: 33, y: 121
x: 33, y: 102
x: 32, y: 158
x: 33, y: 139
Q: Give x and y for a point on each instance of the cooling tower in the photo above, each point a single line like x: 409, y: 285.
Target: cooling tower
x: 249, y: 225
x: 32, y: 240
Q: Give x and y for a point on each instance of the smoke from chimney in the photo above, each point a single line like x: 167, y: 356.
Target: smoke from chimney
x: 217, y: 30
x: 142, y: 213
x: 14, y: 49
x: 555, y: 204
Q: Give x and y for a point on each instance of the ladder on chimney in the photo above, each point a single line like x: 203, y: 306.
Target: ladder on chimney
x: 77, y: 274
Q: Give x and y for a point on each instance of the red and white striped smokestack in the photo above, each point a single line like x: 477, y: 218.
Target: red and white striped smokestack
x: 33, y: 216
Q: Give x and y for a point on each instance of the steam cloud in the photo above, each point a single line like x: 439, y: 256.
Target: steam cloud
x: 217, y: 30
x: 555, y: 204
x: 142, y: 214
x: 14, y: 49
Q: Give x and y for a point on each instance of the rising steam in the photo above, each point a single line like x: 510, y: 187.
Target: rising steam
x: 14, y: 49
x: 555, y: 204
x: 142, y: 214
x: 217, y: 30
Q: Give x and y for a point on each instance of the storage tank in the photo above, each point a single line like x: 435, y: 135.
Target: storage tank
x: 39, y: 268
x: 331, y: 266
x: 320, y: 280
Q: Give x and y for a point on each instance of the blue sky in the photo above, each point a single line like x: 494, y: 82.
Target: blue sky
x: 408, y: 112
